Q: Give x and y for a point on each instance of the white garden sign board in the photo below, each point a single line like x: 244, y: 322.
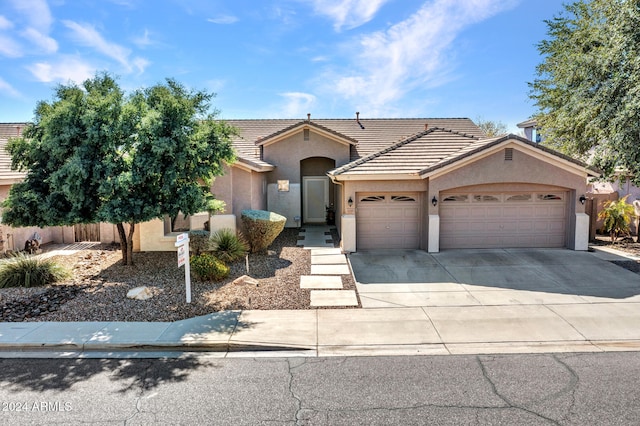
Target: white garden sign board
x: 182, y: 243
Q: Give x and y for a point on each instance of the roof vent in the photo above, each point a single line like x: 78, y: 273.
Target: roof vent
x: 358, y: 120
x: 508, y: 154
x: 426, y: 126
x: 309, y: 117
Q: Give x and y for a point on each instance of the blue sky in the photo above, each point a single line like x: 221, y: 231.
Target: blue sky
x: 285, y: 58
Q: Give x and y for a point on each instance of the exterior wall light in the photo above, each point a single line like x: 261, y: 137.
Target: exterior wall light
x: 434, y: 201
x: 350, y: 201
x: 582, y: 199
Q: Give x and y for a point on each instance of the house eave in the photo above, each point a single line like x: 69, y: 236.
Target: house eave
x: 374, y: 176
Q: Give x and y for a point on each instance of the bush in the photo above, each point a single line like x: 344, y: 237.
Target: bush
x: 262, y: 227
x: 617, y: 217
x: 199, y: 241
x: 206, y: 267
x: 227, y: 246
x: 30, y: 271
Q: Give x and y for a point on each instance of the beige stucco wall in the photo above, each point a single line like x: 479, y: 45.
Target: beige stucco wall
x: 525, y: 172
x: 287, y: 153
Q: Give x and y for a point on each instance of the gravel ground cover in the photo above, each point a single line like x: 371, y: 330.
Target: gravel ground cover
x: 100, y: 283
x: 628, y: 246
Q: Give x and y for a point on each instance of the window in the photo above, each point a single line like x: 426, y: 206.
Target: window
x: 519, y: 197
x: 549, y: 197
x: 402, y: 198
x: 456, y: 198
x: 485, y: 199
x: 372, y: 198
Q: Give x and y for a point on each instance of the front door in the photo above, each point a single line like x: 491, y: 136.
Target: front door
x: 315, y: 197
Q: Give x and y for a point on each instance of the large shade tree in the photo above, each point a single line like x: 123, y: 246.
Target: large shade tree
x: 94, y: 154
x: 588, y: 85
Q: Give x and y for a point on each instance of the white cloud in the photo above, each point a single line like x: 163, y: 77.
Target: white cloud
x: 67, y: 68
x: 223, y: 19
x: 5, y: 24
x: 9, y: 47
x: 37, y: 13
x: 410, y: 54
x: 297, y: 104
x: 43, y: 41
x: 144, y: 40
x: 348, y: 13
x: 87, y: 35
x: 8, y: 89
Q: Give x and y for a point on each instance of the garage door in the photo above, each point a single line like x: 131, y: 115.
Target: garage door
x: 488, y: 220
x: 388, y: 220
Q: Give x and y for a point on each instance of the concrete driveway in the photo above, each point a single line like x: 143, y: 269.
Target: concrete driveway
x: 455, y: 278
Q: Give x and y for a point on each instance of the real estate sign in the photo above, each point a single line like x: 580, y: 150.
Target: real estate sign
x: 182, y: 243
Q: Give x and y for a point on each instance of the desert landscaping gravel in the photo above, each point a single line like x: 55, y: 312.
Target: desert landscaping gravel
x: 100, y: 283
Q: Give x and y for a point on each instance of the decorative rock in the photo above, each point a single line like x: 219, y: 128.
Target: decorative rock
x: 246, y: 280
x: 140, y: 293
x: 39, y: 304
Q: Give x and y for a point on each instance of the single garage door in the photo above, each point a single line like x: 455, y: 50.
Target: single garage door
x: 493, y: 220
x: 388, y: 220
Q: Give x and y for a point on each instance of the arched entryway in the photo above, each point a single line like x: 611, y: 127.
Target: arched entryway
x: 318, y: 193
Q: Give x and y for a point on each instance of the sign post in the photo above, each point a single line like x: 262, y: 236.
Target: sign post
x: 182, y: 243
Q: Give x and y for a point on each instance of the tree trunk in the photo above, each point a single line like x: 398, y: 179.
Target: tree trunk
x: 126, y: 243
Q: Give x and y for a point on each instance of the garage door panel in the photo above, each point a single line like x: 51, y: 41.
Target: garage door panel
x: 515, y: 220
x: 388, y: 221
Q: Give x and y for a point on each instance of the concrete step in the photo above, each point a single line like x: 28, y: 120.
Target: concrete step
x: 325, y: 298
x: 321, y: 282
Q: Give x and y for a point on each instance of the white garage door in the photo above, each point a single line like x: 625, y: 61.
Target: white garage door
x: 491, y: 220
x: 388, y: 220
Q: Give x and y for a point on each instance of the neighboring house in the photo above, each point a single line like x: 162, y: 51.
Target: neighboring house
x: 531, y: 132
x: 423, y: 183
x: 14, y: 238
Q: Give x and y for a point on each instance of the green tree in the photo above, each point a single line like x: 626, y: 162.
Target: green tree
x: 94, y: 154
x: 492, y: 128
x: 588, y: 84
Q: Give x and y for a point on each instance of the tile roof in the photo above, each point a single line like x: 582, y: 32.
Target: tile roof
x: 483, y: 144
x: 411, y: 155
x: 9, y: 130
x: 301, y: 124
x: 371, y: 135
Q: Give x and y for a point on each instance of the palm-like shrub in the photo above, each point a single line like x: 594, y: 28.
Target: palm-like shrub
x: 617, y: 217
x: 227, y: 246
x: 207, y: 267
x: 30, y: 271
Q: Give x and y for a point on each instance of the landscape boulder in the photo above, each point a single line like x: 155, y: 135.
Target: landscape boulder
x: 140, y: 293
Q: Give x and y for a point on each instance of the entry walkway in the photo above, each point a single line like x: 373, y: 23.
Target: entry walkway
x: 328, y: 264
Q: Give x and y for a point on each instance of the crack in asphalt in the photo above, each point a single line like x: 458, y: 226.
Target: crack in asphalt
x: 571, y: 388
x: 506, y: 400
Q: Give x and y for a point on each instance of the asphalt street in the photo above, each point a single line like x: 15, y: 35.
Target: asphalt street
x: 561, y: 389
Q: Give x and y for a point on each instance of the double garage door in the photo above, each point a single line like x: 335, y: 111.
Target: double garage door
x: 467, y: 220
x: 388, y: 220
x: 493, y: 220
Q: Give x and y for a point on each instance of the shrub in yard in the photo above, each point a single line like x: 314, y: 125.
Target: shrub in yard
x: 227, y: 246
x: 617, y: 217
x: 30, y: 271
x: 262, y: 227
x: 207, y: 267
x: 199, y: 241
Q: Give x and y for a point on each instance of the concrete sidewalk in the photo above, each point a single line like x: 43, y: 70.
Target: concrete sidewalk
x: 593, y: 326
x: 339, y: 332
